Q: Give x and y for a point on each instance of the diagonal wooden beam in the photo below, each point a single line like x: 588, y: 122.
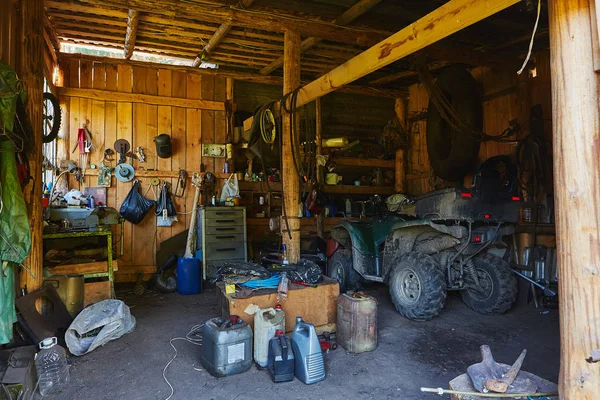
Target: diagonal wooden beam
x: 217, y: 37
x: 450, y: 18
x: 260, y: 18
x: 133, y: 19
x: 358, y: 9
x: 406, y: 74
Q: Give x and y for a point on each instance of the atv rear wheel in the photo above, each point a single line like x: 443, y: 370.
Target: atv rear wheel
x: 498, y: 286
x: 341, y: 268
x: 418, y: 287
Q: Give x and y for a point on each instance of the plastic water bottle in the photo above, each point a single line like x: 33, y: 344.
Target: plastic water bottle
x: 285, y: 260
x: 52, y: 368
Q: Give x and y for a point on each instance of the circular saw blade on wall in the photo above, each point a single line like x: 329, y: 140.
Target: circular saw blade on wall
x: 124, y: 172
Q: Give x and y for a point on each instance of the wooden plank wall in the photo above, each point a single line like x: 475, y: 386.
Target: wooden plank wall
x: 10, y: 39
x: 506, y: 96
x: 139, y: 123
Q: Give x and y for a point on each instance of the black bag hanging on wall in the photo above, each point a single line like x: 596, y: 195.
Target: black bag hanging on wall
x: 135, y: 206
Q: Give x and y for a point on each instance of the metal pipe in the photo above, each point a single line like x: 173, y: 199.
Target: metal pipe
x: 552, y: 293
x: 441, y: 391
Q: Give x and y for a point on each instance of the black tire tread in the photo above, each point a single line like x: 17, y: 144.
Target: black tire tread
x: 57, y: 118
x: 504, y: 280
x: 351, y: 278
x: 434, y: 287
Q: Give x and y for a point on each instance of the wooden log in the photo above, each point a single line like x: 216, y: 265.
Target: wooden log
x: 319, y: 140
x: 31, y: 72
x: 575, y: 121
x: 358, y: 9
x: 261, y: 18
x: 439, y: 24
x: 108, y: 95
x: 133, y: 19
x: 219, y: 35
x: 400, y: 107
x: 291, y: 80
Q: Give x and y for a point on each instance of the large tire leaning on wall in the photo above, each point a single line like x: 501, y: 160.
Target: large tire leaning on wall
x: 452, y: 153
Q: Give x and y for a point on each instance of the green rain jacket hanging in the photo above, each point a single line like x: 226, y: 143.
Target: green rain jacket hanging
x: 15, y: 236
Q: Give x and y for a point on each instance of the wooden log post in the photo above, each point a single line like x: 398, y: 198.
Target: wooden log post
x: 133, y: 19
x: 576, y: 122
x: 319, y: 169
x: 31, y: 72
x: 291, y: 80
x: 400, y: 109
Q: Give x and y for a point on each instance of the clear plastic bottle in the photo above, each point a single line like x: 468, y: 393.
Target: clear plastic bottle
x: 52, y: 368
x: 285, y: 260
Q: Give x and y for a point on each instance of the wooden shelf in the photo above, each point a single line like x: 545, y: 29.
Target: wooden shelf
x: 260, y: 186
x: 142, y: 173
x: 351, y: 189
x: 364, y: 162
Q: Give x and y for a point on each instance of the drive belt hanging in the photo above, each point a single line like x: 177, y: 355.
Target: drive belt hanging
x: 181, y: 182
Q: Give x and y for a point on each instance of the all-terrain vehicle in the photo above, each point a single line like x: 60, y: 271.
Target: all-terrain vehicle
x: 448, y: 239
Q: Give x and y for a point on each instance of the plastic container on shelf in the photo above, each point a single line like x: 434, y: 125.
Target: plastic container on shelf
x: 280, y: 358
x: 309, y: 365
x: 226, y: 346
x: 266, y: 323
x: 52, y: 368
x: 357, y: 322
x: 188, y: 276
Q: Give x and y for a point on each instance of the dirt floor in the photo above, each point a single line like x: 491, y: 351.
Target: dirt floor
x: 410, y: 354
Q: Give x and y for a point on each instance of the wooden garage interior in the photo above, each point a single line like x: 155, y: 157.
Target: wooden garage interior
x: 198, y: 71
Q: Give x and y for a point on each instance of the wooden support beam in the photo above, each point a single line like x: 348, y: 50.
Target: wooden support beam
x: 400, y: 108
x: 108, y: 95
x: 133, y: 19
x: 31, y: 72
x: 439, y: 24
x: 575, y: 122
x: 358, y: 9
x: 290, y: 232
x: 261, y: 18
x: 219, y: 35
x: 407, y: 74
x: 319, y: 169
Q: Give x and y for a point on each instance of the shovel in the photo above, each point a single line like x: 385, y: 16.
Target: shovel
x: 489, y: 375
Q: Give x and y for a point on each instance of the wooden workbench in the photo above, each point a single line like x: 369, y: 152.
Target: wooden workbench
x: 316, y: 305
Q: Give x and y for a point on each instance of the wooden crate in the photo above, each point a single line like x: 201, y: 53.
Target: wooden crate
x: 317, y: 305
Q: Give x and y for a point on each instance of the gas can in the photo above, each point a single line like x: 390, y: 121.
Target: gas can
x: 266, y: 323
x: 357, y: 322
x: 280, y: 358
x: 226, y: 346
x: 309, y: 365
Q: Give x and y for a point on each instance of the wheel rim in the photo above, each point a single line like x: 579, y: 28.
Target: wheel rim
x: 409, y: 286
x: 338, y: 271
x: 485, y: 283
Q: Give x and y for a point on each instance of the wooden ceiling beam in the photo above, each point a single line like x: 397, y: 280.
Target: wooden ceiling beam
x: 451, y: 17
x: 358, y: 9
x: 407, y: 74
x: 266, y: 19
x: 237, y: 75
x: 133, y: 19
x: 216, y: 39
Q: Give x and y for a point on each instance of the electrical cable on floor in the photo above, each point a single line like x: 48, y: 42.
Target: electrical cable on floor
x: 537, y: 20
x: 196, y: 340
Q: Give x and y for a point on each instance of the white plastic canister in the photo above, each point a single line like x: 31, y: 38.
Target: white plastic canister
x: 266, y: 322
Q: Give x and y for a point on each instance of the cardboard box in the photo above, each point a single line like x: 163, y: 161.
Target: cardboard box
x: 317, y: 305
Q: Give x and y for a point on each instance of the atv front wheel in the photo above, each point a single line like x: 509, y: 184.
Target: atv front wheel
x: 497, y: 289
x: 418, y: 287
x: 340, y: 267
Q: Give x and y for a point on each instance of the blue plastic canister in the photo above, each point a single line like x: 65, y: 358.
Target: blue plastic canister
x: 188, y: 276
x: 309, y: 364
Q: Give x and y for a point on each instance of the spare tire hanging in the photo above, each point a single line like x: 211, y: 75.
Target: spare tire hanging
x: 453, y: 151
